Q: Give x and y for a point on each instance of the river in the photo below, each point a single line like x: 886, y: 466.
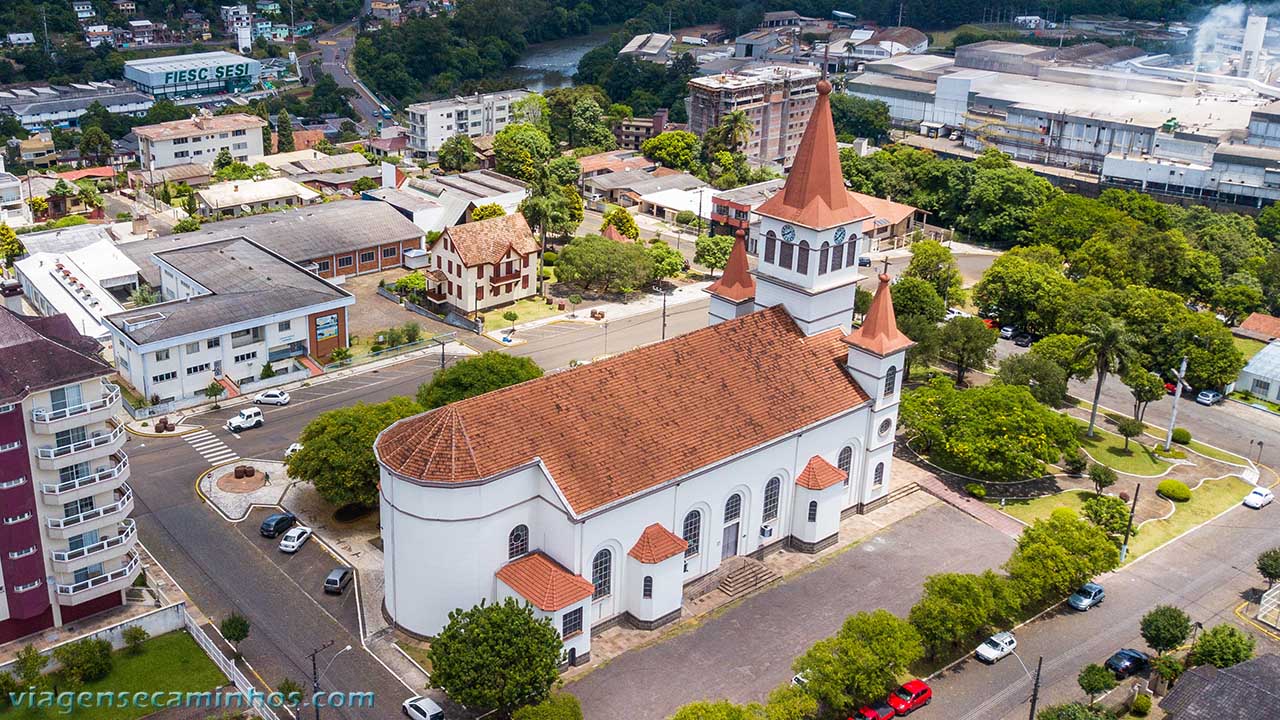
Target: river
x: 552, y: 64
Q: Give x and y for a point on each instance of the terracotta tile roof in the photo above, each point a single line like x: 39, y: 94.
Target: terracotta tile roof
x: 879, y: 333
x: 1261, y: 324
x: 612, y: 233
x: 882, y: 209
x: 656, y: 544
x: 489, y: 241
x: 614, y: 161
x: 596, y: 427
x: 736, y: 282
x: 93, y: 172
x: 814, y: 195
x: 819, y: 474
x: 545, y: 583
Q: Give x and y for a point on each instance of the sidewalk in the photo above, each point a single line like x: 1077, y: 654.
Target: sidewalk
x: 612, y: 311
x: 972, y: 507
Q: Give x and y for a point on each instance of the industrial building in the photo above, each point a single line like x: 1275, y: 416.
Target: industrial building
x: 777, y: 98
x: 190, y: 75
x: 431, y: 123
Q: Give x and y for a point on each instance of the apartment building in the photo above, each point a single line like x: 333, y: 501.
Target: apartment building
x: 431, y: 123
x: 199, y: 139
x: 13, y: 209
x: 67, y: 550
x: 778, y: 99
x: 632, y: 132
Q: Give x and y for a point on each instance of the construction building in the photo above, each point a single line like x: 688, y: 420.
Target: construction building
x: 778, y: 99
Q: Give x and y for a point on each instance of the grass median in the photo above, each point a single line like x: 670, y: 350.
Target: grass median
x: 1207, y: 501
x: 1109, y: 449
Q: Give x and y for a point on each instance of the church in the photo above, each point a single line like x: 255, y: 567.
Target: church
x: 598, y: 493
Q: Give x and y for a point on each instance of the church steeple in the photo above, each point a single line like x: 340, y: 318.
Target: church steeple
x: 732, y: 295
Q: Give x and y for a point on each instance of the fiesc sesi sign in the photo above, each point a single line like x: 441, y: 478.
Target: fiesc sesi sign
x: 221, y: 72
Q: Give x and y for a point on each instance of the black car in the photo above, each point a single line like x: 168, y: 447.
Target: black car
x: 864, y: 261
x: 277, y: 523
x: 1128, y: 662
x: 1023, y: 340
x: 338, y: 580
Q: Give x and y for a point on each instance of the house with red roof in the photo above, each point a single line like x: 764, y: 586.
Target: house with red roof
x: 481, y: 265
x: 599, y: 494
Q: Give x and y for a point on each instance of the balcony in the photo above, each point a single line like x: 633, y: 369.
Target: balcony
x: 95, y: 587
x: 509, y: 277
x: 68, y: 561
x: 105, y: 478
x: 62, y: 528
x: 49, y: 421
x: 99, y: 444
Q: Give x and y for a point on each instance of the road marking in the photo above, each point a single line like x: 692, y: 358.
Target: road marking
x: 210, y: 447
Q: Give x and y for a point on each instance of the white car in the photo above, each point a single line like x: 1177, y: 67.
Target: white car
x: 250, y: 417
x: 289, y: 451
x: 799, y: 680
x: 271, y: 397
x: 996, y: 647
x: 1259, y: 498
x: 420, y: 707
x: 293, y: 540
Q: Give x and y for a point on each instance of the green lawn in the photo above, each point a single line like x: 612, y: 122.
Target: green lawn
x: 1217, y: 454
x: 528, y: 309
x: 1108, y: 449
x: 1211, y: 498
x: 172, y: 662
x: 1247, y: 346
x: 419, y: 654
x: 1028, y: 511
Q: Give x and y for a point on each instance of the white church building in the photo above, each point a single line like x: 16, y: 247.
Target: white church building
x: 597, y: 494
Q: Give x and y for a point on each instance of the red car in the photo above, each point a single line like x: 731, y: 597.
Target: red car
x: 879, y: 710
x: 1170, y: 388
x: 911, y: 696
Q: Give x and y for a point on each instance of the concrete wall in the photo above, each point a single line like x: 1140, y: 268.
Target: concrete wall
x: 158, y: 622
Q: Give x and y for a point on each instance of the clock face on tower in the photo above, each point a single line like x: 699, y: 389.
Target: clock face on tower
x: 788, y: 233
x: 840, y: 236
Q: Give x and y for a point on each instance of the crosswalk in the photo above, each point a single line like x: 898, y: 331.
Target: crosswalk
x: 210, y: 447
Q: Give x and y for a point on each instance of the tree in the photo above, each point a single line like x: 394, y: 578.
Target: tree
x: 917, y: 296
x: 1269, y: 565
x: 1102, y: 476
x: 734, y: 130
x: 953, y: 609
x: 190, y: 223
x: 11, y: 247
x: 678, y: 149
x: 1237, y: 300
x: 1107, y: 512
x: 592, y: 260
x: 95, y: 144
x: 475, y: 376
x: 619, y: 219
x: 134, y: 636
x: 856, y: 117
x: 337, y: 450
x: 1146, y: 387
x: 715, y: 710
x: 968, y: 343
x: 587, y: 127
x: 511, y: 317
x: 1221, y: 646
x: 790, y: 702
x: 1112, y: 347
x: 496, y: 656
x: 1043, y: 377
x: 486, y: 211
x: 85, y: 660
x: 1001, y: 203
x: 1095, y: 680
x: 574, y: 301
x: 223, y: 159
x: 39, y: 205
x: 235, y: 628
x: 862, y: 661
x: 1165, y: 627
x: 564, y: 170
x: 557, y: 706
x: 284, y: 132
x: 457, y: 153
x: 712, y: 251
x: 191, y: 208
x: 1055, y: 555
x: 519, y: 150
x: 291, y: 691
x: 29, y: 667
x: 667, y: 261
x: 924, y: 333
x: 364, y: 183
x: 1129, y: 429
x: 1063, y: 350
x: 215, y: 390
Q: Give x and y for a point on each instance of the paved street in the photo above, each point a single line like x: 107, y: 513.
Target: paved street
x: 746, y: 651
x: 335, y: 60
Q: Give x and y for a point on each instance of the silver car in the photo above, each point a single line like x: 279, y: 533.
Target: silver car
x: 996, y: 647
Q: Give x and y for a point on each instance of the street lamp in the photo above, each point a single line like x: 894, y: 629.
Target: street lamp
x: 1259, y: 443
x: 315, y: 676
x: 335, y: 657
x: 1180, y: 376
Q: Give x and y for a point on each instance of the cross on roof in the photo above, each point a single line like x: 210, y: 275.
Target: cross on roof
x: 886, y: 265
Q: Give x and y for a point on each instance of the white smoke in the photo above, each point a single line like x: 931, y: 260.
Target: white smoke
x: 1229, y: 17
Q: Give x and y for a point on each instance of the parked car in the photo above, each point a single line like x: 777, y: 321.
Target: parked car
x: 293, y: 540
x: 271, y: 397
x: 913, y: 695
x: 1209, y: 397
x: 1171, y: 388
x: 420, y: 707
x: 277, y: 523
x: 996, y: 647
x: 1007, y: 332
x: 1023, y: 340
x: 1087, y: 596
x: 955, y: 313
x: 864, y: 261
x: 1128, y: 662
x: 799, y: 680
x: 878, y: 710
x: 293, y: 448
x: 337, y: 581
x: 1259, y: 498
x: 247, y: 418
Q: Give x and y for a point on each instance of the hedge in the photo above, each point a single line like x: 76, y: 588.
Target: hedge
x: 976, y: 490
x: 1182, y: 436
x: 1175, y: 490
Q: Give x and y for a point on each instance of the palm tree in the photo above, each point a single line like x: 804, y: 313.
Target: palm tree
x: 544, y: 206
x: 736, y: 128
x: 1114, y: 351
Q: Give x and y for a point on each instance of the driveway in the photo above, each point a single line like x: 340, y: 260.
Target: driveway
x: 746, y: 651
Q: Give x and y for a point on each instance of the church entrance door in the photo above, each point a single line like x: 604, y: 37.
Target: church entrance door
x: 729, y: 547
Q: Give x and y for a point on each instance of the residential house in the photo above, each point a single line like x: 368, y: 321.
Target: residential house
x: 13, y: 206
x: 486, y: 264
x: 668, y: 204
x: 431, y: 123
x: 143, y: 32
x: 613, y: 161
x: 21, y: 39
x: 248, y: 197
x: 625, y: 188
x: 38, y: 151
x: 1250, y: 689
x: 96, y: 35
x: 781, y: 18
x: 268, y: 7
x: 125, y: 7
x: 83, y: 10
x: 385, y: 11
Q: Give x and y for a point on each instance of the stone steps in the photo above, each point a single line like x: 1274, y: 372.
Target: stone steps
x: 748, y: 577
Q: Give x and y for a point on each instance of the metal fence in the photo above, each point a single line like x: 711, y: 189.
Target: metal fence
x: 228, y: 667
x: 1269, y: 607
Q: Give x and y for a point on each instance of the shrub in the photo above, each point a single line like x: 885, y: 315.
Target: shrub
x: 1174, y: 490
x: 546, y: 273
x: 549, y: 258
x: 976, y: 489
x: 559, y: 706
x: 1182, y: 436
x: 375, y: 349
x: 412, y: 331
x: 1075, y: 464
x: 84, y: 661
x: 1141, y: 705
x: 1168, y: 667
x: 133, y: 638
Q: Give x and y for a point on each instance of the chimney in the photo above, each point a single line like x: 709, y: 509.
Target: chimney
x: 139, y: 225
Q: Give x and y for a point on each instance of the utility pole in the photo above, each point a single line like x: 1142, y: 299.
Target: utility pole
x: 1035, y: 689
x: 1181, y: 377
x: 44, y: 20
x: 315, y: 674
x: 1128, y: 528
x: 663, y: 289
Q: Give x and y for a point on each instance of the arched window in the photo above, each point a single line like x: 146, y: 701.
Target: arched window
x: 891, y: 380
x: 602, y: 574
x: 518, y: 542
x: 772, y: 490
x: 770, y: 246
x: 813, y: 511
x: 823, y: 257
x: 647, y: 590
x: 733, y: 508
x: 802, y: 258
x: 879, y: 476
x: 845, y: 463
x: 788, y: 250
x: 837, y: 258
x: 692, y: 532
x: 851, y: 253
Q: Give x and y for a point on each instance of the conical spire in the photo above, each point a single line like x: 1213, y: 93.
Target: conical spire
x: 610, y: 232
x: 879, y: 333
x: 814, y: 195
x: 735, y: 283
